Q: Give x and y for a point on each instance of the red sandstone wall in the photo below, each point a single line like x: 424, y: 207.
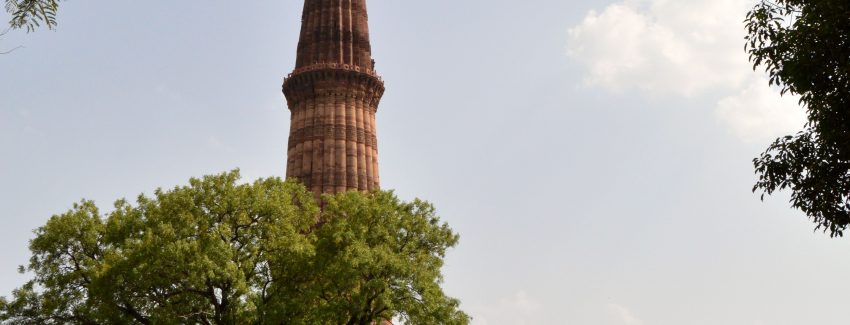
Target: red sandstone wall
x: 333, y: 96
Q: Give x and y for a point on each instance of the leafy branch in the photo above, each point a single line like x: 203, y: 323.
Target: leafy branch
x: 804, y: 46
x: 31, y: 14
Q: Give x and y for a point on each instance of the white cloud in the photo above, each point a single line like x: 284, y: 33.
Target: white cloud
x: 523, y: 303
x: 690, y: 49
x: 758, y: 112
x: 624, y: 315
x: 663, y: 47
x: 519, y: 309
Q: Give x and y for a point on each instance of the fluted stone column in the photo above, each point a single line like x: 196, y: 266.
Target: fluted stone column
x: 333, y: 95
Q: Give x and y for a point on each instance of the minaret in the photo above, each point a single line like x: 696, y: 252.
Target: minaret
x: 333, y: 96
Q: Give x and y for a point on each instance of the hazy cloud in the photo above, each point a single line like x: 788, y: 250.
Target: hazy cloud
x: 758, y: 112
x: 663, y: 47
x: 519, y: 309
x: 688, y: 49
x: 624, y: 315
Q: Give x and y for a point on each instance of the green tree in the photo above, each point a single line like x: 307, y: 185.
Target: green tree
x: 804, y: 45
x: 31, y: 14
x: 220, y: 252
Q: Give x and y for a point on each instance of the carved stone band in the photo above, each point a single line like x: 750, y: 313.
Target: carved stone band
x: 333, y: 132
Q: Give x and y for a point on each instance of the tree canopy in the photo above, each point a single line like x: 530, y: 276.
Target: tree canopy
x: 31, y: 14
x: 220, y: 252
x: 804, y: 45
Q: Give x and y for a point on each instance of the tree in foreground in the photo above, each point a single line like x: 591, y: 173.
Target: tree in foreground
x: 804, y: 45
x: 220, y: 252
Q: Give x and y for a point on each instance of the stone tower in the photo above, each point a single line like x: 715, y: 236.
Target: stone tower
x: 333, y: 95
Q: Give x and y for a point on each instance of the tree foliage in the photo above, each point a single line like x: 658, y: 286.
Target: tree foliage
x: 31, y: 14
x: 804, y: 45
x: 220, y: 252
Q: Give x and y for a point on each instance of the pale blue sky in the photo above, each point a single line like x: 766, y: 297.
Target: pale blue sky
x: 593, y: 155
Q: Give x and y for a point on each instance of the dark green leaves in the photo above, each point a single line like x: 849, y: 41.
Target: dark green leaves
x: 804, y: 46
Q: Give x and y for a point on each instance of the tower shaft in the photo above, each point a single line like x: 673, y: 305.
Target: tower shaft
x: 333, y: 95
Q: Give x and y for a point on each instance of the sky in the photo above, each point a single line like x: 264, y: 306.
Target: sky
x: 595, y: 156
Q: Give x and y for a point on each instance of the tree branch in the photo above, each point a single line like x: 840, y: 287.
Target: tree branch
x: 3, y: 33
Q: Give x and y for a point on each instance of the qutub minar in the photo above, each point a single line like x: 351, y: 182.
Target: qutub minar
x: 333, y: 95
